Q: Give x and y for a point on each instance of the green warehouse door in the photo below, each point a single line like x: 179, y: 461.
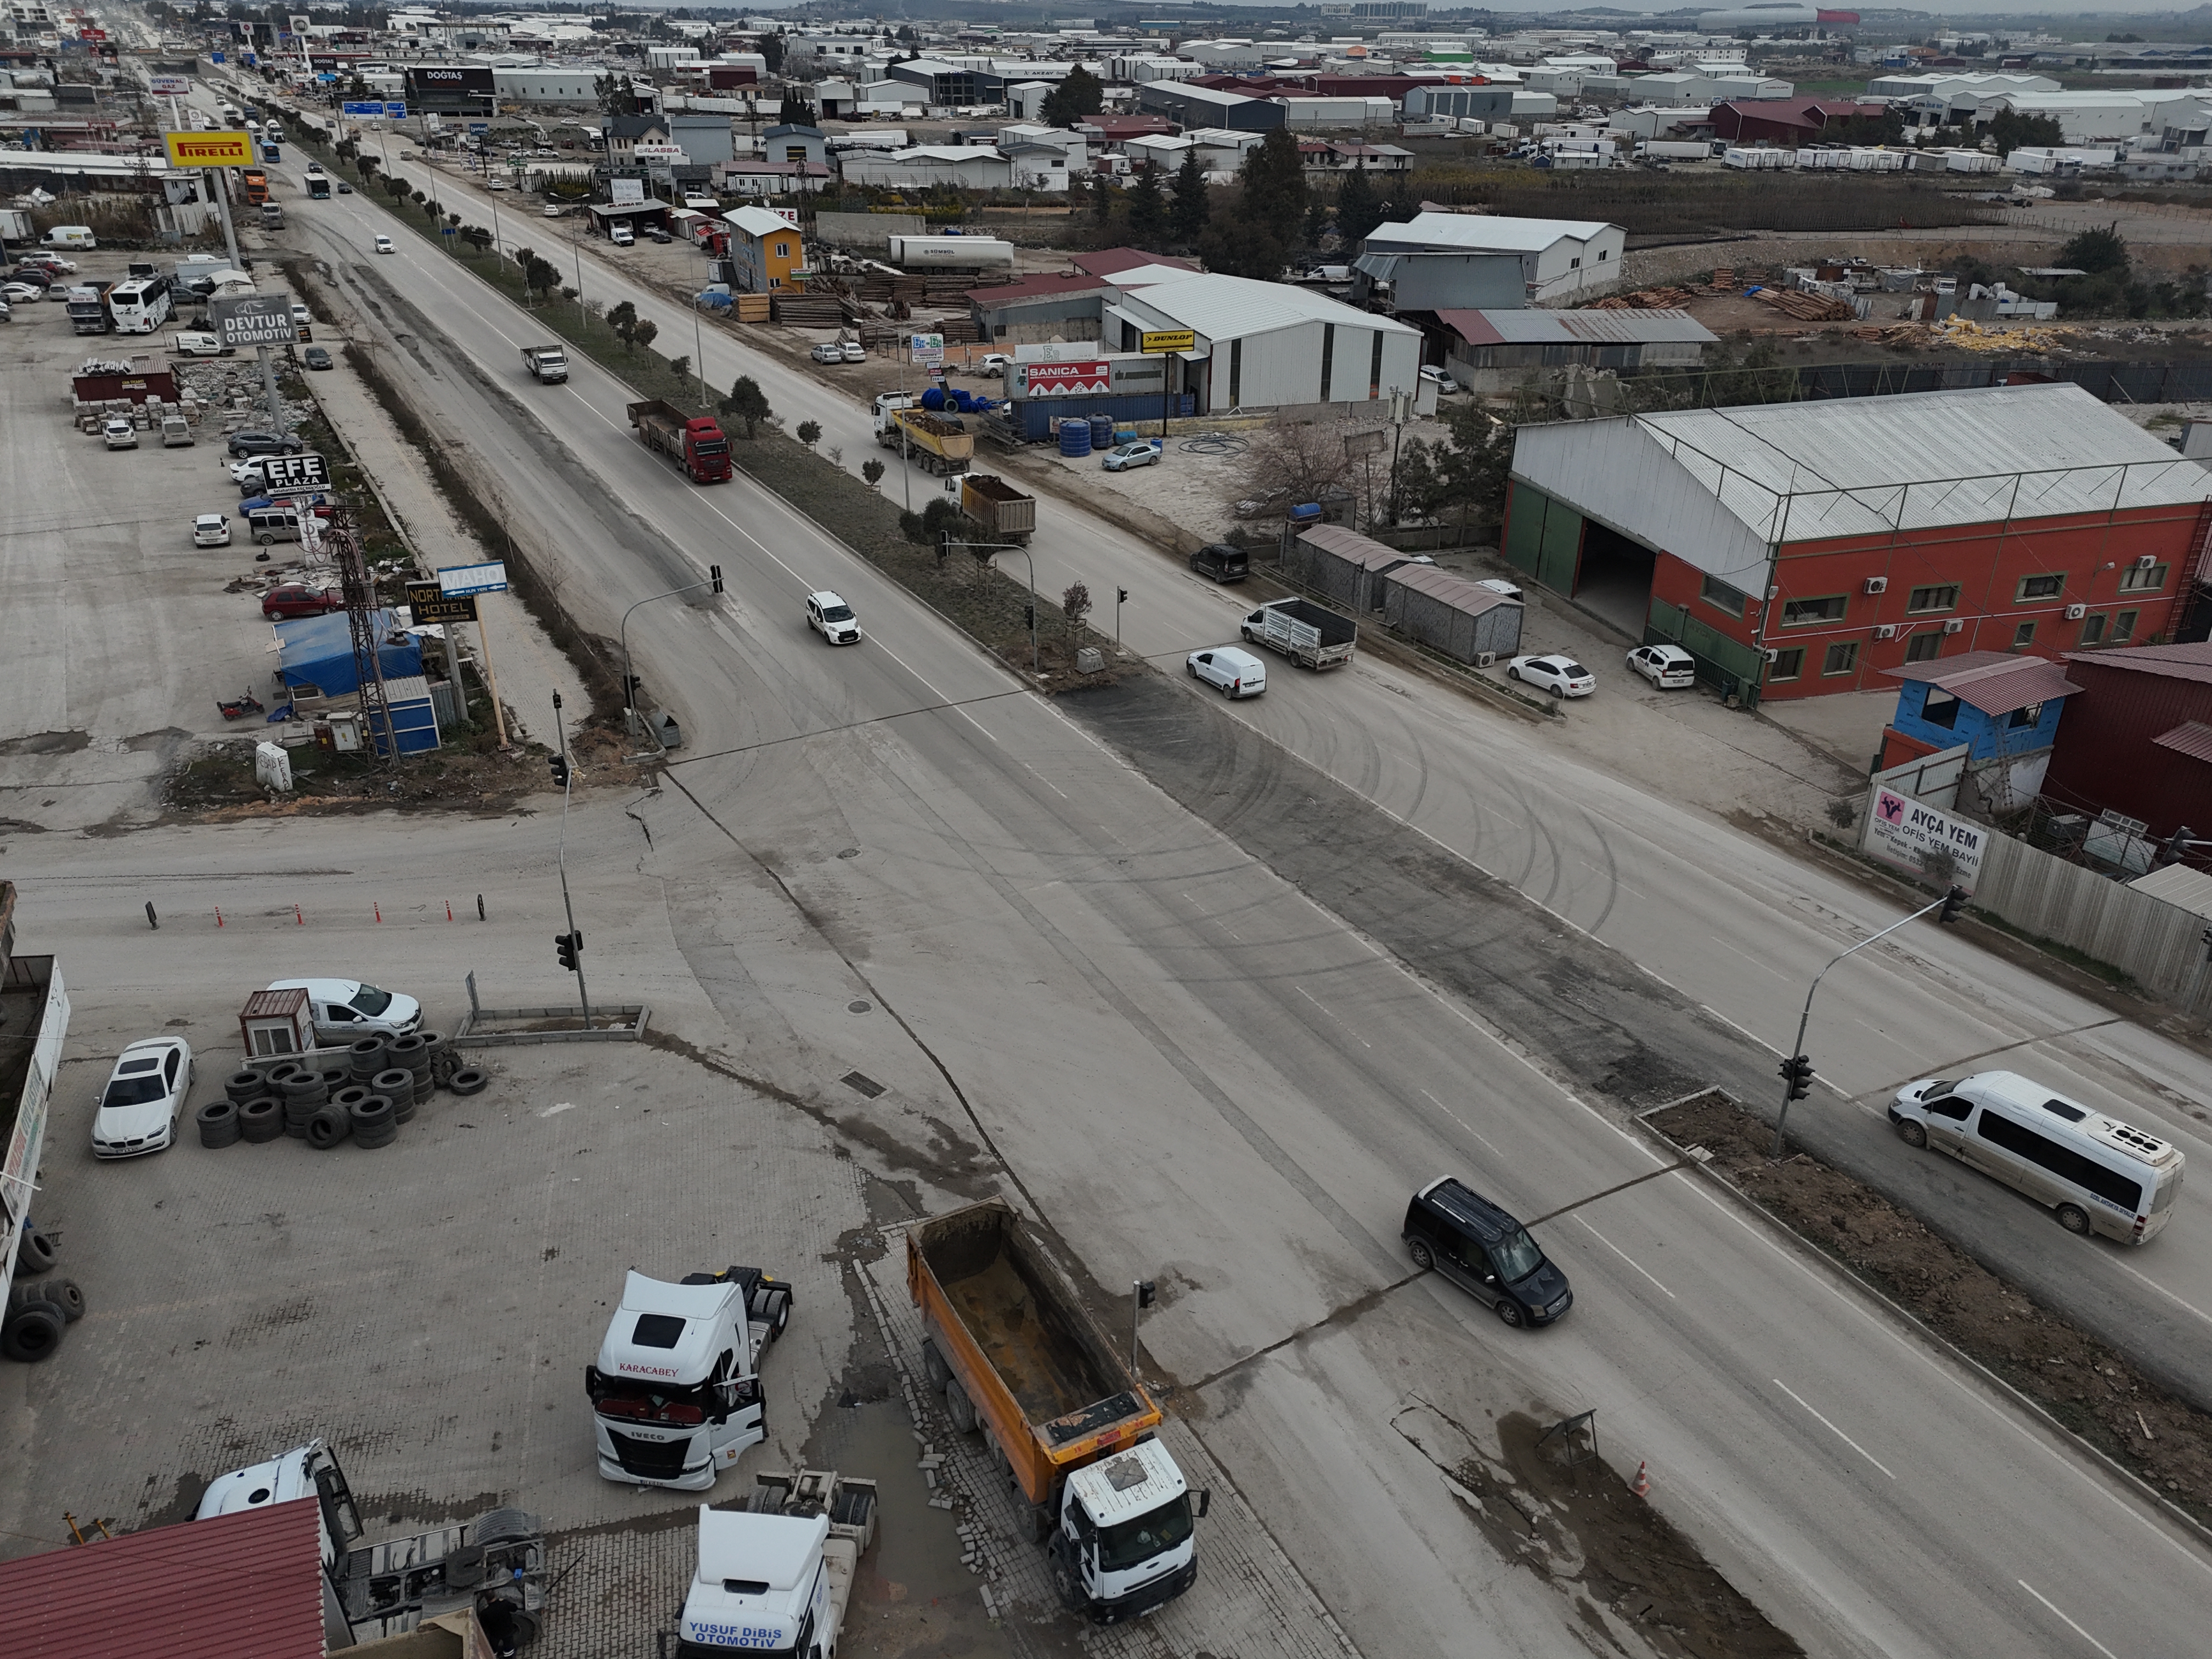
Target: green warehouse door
x: 1544, y: 537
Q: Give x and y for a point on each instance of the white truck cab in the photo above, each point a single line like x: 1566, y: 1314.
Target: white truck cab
x: 676, y: 1394
x: 1126, y: 1543
x: 774, y: 1576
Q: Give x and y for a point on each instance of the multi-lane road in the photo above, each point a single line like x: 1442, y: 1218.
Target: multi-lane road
x: 1197, y: 1074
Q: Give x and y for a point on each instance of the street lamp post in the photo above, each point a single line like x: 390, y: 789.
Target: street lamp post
x: 1796, y: 1070
x: 629, y: 695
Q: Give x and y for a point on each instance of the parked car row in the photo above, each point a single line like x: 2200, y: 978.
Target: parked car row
x: 832, y: 351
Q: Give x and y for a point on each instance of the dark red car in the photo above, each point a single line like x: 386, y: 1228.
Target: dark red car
x: 297, y: 599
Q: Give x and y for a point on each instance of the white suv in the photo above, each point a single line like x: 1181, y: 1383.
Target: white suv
x: 831, y: 618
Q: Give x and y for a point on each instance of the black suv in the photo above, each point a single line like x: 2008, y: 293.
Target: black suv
x: 1223, y: 560
x: 1472, y: 1243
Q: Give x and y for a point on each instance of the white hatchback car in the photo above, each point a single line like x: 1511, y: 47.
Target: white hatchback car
x: 1239, y: 673
x: 1562, y: 677
x: 832, y: 618
x: 383, y: 245
x: 138, y: 1109
x: 346, y: 1010
x: 211, y: 530
x: 119, y: 433
x: 1666, y: 667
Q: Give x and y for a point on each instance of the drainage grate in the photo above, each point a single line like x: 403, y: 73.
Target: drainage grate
x: 861, y: 1082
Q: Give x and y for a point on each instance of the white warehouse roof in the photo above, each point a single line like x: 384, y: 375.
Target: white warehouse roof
x: 1720, y: 487
x: 1219, y: 308
x: 1484, y: 232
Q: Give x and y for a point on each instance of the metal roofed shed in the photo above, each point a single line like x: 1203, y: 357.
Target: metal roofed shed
x: 1464, y: 620
x: 1341, y: 565
x: 243, y: 1586
x: 1995, y: 682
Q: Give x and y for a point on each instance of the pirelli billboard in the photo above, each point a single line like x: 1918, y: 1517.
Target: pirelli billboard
x: 210, y: 149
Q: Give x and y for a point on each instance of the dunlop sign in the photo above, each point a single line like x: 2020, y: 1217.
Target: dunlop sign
x: 210, y: 149
x: 253, y: 319
x: 427, y: 603
x: 1168, y: 339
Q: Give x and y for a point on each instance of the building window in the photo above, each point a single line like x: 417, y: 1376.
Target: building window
x: 1787, y: 665
x: 1924, y: 646
x: 2039, y: 588
x: 2022, y: 717
x: 1797, y: 613
x: 1719, y: 595
x: 1605, y: 253
x: 2093, y: 629
x: 1939, y: 708
x: 1842, y: 657
x: 1925, y: 600
x: 2136, y: 579
x: 2023, y: 635
x: 1327, y: 357
x: 2123, y: 627
x: 1574, y: 264
x: 783, y: 250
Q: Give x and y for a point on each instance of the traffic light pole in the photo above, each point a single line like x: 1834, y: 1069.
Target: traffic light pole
x: 576, y: 938
x: 1795, y: 1069
x: 984, y: 551
x: 629, y: 686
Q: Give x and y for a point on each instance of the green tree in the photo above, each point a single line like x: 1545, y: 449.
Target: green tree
x: 1102, y: 199
x: 644, y: 333
x: 680, y: 367
x: 1190, y: 207
x: 746, y: 403
x: 1078, y: 96
x: 1358, y: 210
x: 809, y: 433
x: 1148, y: 209
x: 476, y: 237
x: 2096, y: 252
x: 770, y: 47
x: 1274, y: 183
x: 871, y: 471
x: 794, y: 110
x: 2010, y: 132
x: 623, y: 318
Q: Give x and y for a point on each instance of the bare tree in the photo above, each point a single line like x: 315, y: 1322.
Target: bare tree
x: 1075, y: 604
x: 1297, y: 463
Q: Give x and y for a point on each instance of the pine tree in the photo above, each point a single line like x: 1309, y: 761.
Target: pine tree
x: 1148, y: 209
x: 1189, y: 209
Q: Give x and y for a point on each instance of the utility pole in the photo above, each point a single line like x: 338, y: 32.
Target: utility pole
x: 570, y: 946
x: 984, y: 551
x: 1796, y: 1068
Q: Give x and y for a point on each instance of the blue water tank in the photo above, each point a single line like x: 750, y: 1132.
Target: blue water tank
x: 1102, y: 431
x: 1075, y: 437
x: 1308, y: 514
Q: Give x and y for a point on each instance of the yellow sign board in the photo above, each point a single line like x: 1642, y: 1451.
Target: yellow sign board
x: 1169, y: 339
x: 210, y: 150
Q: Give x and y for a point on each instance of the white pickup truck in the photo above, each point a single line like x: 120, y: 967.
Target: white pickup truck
x: 775, y: 1576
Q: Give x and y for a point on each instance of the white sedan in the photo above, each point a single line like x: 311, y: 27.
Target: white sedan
x: 1238, y: 673
x: 1562, y: 677
x: 138, y: 1109
x: 346, y: 1010
x: 1666, y: 667
x: 211, y: 530
x: 17, y: 292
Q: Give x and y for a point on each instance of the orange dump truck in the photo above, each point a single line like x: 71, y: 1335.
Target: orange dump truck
x: 1018, y: 1360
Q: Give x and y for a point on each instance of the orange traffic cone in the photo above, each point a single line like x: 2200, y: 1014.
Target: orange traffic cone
x: 1642, y: 1484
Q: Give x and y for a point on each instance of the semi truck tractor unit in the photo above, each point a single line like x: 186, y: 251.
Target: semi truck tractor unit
x: 1020, y: 1360
x: 676, y: 1394
x: 694, y: 442
x: 775, y: 1573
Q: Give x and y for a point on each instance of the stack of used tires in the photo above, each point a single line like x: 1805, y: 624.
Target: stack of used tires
x: 365, y: 1100
x: 38, y: 1308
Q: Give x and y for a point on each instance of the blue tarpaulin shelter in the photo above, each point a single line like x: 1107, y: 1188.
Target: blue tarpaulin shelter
x: 318, y: 651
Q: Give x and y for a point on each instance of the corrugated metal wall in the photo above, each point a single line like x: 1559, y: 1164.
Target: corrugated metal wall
x: 2104, y: 757
x: 1446, y: 627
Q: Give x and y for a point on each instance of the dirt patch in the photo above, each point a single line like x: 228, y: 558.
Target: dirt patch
x: 2087, y: 1387
x: 469, y: 774
x: 1548, y: 1503
x: 46, y: 743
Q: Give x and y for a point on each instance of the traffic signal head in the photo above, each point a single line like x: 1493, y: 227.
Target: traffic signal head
x: 559, y: 763
x: 1953, y: 902
x: 1145, y: 1292
x: 565, y: 946
x: 1797, y: 1072
x: 1121, y: 596
x: 715, y: 575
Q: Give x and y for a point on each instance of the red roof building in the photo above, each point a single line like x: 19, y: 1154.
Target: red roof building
x: 1787, y: 120
x: 2138, y: 740
x: 243, y: 1586
x: 1119, y: 129
x: 1111, y: 261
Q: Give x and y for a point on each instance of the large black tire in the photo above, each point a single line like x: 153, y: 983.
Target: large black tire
x: 328, y: 1127
x: 960, y: 1408
x: 503, y: 1526
x: 425, y: 1086
x: 305, y: 1086
x: 933, y: 1364
x: 465, y: 1566
x: 218, y: 1122
x: 337, y: 1076
x: 370, y: 1140
x: 1912, y: 1133
x: 274, y: 1078
x: 242, y: 1085
x: 370, y: 1112
x: 393, y: 1080
x: 404, y: 1108
x: 351, y: 1096
x: 470, y: 1080
x: 36, y: 1255
x: 65, y: 1294
x: 33, y: 1332
x: 261, y: 1120
x: 1423, y: 1257
x: 410, y: 1051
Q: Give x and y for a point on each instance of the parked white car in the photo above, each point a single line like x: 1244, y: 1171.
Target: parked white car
x: 829, y: 352
x: 1666, y: 667
x: 211, y: 530
x: 117, y: 432
x: 832, y: 618
x: 1145, y: 452
x: 1444, y: 383
x: 1237, y: 672
x: 346, y: 1010
x: 994, y: 365
x: 1562, y: 677
x: 138, y: 1111
x: 854, y: 351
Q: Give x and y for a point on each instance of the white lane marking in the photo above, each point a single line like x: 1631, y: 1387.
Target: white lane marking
x: 2163, y: 1291
x: 1740, y: 1031
x: 2070, y: 1624
x: 1464, y: 1124
x: 1830, y: 1427
x: 1763, y: 967
x: 1324, y: 1008
x: 1624, y: 1256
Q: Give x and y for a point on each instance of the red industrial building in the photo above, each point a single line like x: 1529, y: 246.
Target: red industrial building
x: 2138, y: 739
x: 1787, y: 120
x: 1798, y: 548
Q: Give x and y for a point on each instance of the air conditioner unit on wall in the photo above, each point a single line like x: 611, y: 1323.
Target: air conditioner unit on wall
x: 1877, y: 584
x: 1885, y: 631
x: 1953, y: 625
x: 1485, y: 658
x: 2075, y: 612
x: 2146, y: 561
x: 1771, y: 654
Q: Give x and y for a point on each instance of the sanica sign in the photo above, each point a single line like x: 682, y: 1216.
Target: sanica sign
x: 1168, y: 339
x: 210, y: 149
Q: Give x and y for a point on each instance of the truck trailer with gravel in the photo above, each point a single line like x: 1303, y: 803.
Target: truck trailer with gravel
x: 1016, y: 1355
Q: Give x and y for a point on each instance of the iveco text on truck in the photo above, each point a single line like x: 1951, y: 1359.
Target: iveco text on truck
x: 1016, y: 1355
x: 776, y: 1574
x: 676, y: 1394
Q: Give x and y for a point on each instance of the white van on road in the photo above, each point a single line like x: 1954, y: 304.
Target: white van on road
x: 2097, y: 1174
